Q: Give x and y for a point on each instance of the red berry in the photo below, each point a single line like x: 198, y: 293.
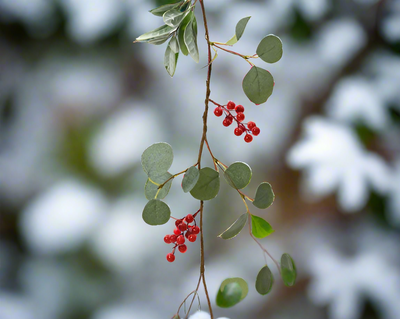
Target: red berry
x: 177, y: 231
x: 182, y: 248
x: 230, y: 105
x: 192, y: 238
x: 170, y: 257
x: 189, y: 218
x: 218, y: 111
x: 255, y: 130
x: 182, y: 226
x: 239, y: 108
x: 240, y: 116
x: 177, y: 222
x: 180, y: 240
x: 238, y: 131
x: 196, y: 230
x: 227, y: 121
x: 167, y: 239
x: 188, y: 233
x: 173, y: 238
x: 250, y: 125
x: 248, y: 138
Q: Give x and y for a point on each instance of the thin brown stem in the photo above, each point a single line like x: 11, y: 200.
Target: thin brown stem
x: 246, y: 57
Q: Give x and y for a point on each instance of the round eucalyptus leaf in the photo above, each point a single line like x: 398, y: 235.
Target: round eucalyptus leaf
x: 157, y: 159
x: 207, y: 186
x: 270, y: 49
x: 264, y: 196
x: 238, y: 175
x: 260, y: 228
x: 288, y: 270
x: 151, y: 186
x: 258, y: 85
x: 190, y: 179
x: 235, y: 228
x: 156, y: 212
x: 231, y: 292
x: 264, y: 280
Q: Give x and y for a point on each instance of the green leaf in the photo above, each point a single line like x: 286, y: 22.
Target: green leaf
x: 156, y: 34
x: 288, y: 270
x: 235, y: 228
x: 174, y: 17
x: 159, y: 11
x: 156, y: 212
x: 190, y: 37
x: 264, y: 196
x: 264, y: 281
x: 258, y: 85
x: 174, y: 45
x: 170, y: 59
x: 157, y: 159
x: 270, y: 49
x: 231, y: 292
x: 181, y: 33
x: 159, y: 40
x: 150, y: 188
x: 190, y: 179
x: 260, y: 228
x: 207, y: 186
x: 240, y: 26
x: 232, y: 40
x: 238, y: 175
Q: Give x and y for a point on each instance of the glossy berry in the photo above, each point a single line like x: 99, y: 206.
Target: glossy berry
x: 250, y: 125
x: 173, y: 238
x: 170, y: 257
x: 196, y: 230
x: 238, y: 131
x: 182, y: 226
x: 227, y: 121
x: 180, y: 240
x: 167, y: 239
x: 239, y: 108
x: 240, y: 116
x: 189, y: 218
x: 182, y: 248
x: 177, y: 232
x: 188, y: 233
x: 230, y: 105
x: 177, y: 222
x: 192, y: 238
x: 248, y: 138
x: 255, y: 130
x: 218, y: 111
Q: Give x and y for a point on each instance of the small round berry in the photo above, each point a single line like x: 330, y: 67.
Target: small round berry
x: 192, y: 238
x: 170, y: 257
x: 227, y: 121
x: 255, y: 130
x: 230, y: 105
x: 173, y: 238
x: 248, y: 138
x: 189, y: 218
x: 180, y: 240
x: 177, y: 232
x: 239, y: 108
x: 240, y: 116
x: 218, y: 111
x: 177, y: 222
x: 167, y: 239
x: 251, y: 124
x: 238, y: 131
x: 196, y: 230
x: 182, y: 226
x: 188, y: 233
x: 182, y: 248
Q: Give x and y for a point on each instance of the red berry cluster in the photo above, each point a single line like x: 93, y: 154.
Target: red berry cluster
x: 250, y: 128
x: 182, y: 230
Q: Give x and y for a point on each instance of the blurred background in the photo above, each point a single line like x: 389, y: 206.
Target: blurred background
x: 79, y: 103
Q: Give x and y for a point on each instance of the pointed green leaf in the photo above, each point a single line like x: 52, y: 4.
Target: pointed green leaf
x: 157, y: 159
x: 159, y: 11
x: 264, y: 196
x: 240, y: 26
x: 288, y: 270
x: 156, y: 212
x: 174, y: 17
x: 159, y: 33
x: 174, y: 45
x: 258, y: 85
x: 170, y: 60
x: 151, y: 186
x: 190, y: 179
x: 181, y: 33
x: 232, y: 40
x: 238, y: 175
x: 260, y: 228
x: 270, y: 49
x: 264, y: 281
x: 190, y: 37
x: 231, y: 292
x: 207, y: 186
x: 235, y: 228
x: 159, y: 40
